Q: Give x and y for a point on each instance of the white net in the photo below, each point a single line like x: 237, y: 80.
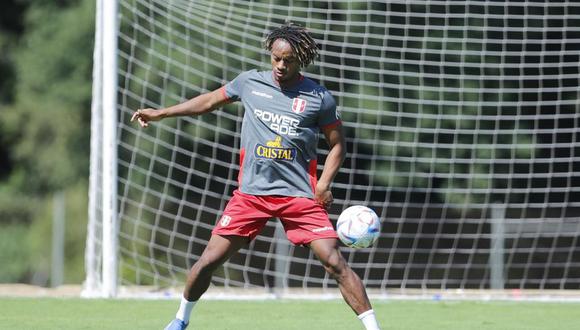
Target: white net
x: 462, y: 122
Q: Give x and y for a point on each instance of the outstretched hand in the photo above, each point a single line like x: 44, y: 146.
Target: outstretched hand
x: 144, y: 116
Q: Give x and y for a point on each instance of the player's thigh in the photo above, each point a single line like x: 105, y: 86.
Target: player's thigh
x: 305, y: 221
x: 244, y: 215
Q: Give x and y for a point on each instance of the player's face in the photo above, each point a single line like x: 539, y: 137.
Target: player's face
x: 285, y: 65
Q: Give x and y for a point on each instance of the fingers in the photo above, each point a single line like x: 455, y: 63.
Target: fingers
x: 326, y: 206
x: 325, y: 200
x: 142, y: 122
x: 137, y: 115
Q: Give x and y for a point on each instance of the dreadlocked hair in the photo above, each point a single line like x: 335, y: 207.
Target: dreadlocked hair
x: 299, y: 38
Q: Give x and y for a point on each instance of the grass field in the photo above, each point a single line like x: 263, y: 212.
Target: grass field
x: 72, y: 313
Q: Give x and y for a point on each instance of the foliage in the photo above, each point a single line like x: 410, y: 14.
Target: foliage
x: 48, y: 122
x: 44, y: 130
x: 14, y: 255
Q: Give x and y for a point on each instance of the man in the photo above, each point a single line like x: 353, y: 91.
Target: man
x: 284, y: 112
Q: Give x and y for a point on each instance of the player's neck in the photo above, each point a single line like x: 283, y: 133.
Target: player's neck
x: 290, y: 82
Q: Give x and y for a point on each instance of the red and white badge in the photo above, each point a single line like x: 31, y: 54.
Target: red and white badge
x: 298, y: 105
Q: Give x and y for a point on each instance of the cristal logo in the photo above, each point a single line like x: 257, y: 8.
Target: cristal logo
x: 274, y: 150
x: 298, y: 105
x: 225, y: 220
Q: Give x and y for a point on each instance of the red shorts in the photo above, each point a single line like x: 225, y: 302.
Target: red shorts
x: 303, y: 219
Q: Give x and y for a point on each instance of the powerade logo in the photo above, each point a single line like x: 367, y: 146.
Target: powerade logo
x: 274, y: 150
x: 280, y: 124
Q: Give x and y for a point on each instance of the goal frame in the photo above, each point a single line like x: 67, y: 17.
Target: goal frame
x: 103, y: 191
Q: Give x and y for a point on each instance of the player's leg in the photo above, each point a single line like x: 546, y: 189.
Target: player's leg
x: 306, y: 223
x: 242, y: 219
x: 218, y: 250
x: 350, y: 285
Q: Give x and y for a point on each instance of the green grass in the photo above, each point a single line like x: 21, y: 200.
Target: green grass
x: 54, y: 313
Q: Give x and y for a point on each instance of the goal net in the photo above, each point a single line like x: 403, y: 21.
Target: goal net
x: 462, y: 123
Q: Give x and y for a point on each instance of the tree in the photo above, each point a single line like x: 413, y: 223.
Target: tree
x: 46, y: 122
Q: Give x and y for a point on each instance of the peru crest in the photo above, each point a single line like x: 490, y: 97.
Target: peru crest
x: 298, y: 105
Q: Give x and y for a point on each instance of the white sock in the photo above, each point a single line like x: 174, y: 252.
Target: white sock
x: 185, y: 308
x: 369, y: 320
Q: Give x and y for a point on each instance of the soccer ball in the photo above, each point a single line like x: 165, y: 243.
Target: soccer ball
x: 358, y: 227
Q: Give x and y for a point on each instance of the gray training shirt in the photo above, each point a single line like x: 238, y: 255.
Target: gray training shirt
x: 280, y: 133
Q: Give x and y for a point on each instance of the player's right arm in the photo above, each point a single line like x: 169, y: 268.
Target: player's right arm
x: 196, y: 106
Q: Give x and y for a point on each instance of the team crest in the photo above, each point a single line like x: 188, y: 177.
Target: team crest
x: 225, y: 220
x: 298, y: 105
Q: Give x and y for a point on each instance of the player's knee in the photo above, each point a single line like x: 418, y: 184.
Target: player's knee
x: 206, y: 265
x: 335, y: 264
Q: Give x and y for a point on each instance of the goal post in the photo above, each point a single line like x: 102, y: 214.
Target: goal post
x: 102, y: 240
x: 462, y: 126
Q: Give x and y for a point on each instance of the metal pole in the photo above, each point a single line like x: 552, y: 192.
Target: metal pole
x: 282, y: 249
x: 496, y: 257
x: 92, y: 285
x: 110, y: 243
x: 58, y: 225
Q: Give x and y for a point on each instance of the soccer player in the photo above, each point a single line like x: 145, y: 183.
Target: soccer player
x: 284, y: 113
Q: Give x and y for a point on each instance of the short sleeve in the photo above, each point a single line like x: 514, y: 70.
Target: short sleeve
x: 328, y: 116
x: 234, y: 89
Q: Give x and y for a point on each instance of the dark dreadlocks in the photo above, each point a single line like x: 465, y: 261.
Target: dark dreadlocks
x: 302, y: 43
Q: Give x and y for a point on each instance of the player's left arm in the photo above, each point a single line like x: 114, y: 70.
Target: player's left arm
x: 337, y: 152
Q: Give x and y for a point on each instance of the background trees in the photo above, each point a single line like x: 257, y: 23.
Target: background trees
x: 45, y: 94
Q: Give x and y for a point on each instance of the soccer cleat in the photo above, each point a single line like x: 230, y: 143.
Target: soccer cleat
x: 176, y: 324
